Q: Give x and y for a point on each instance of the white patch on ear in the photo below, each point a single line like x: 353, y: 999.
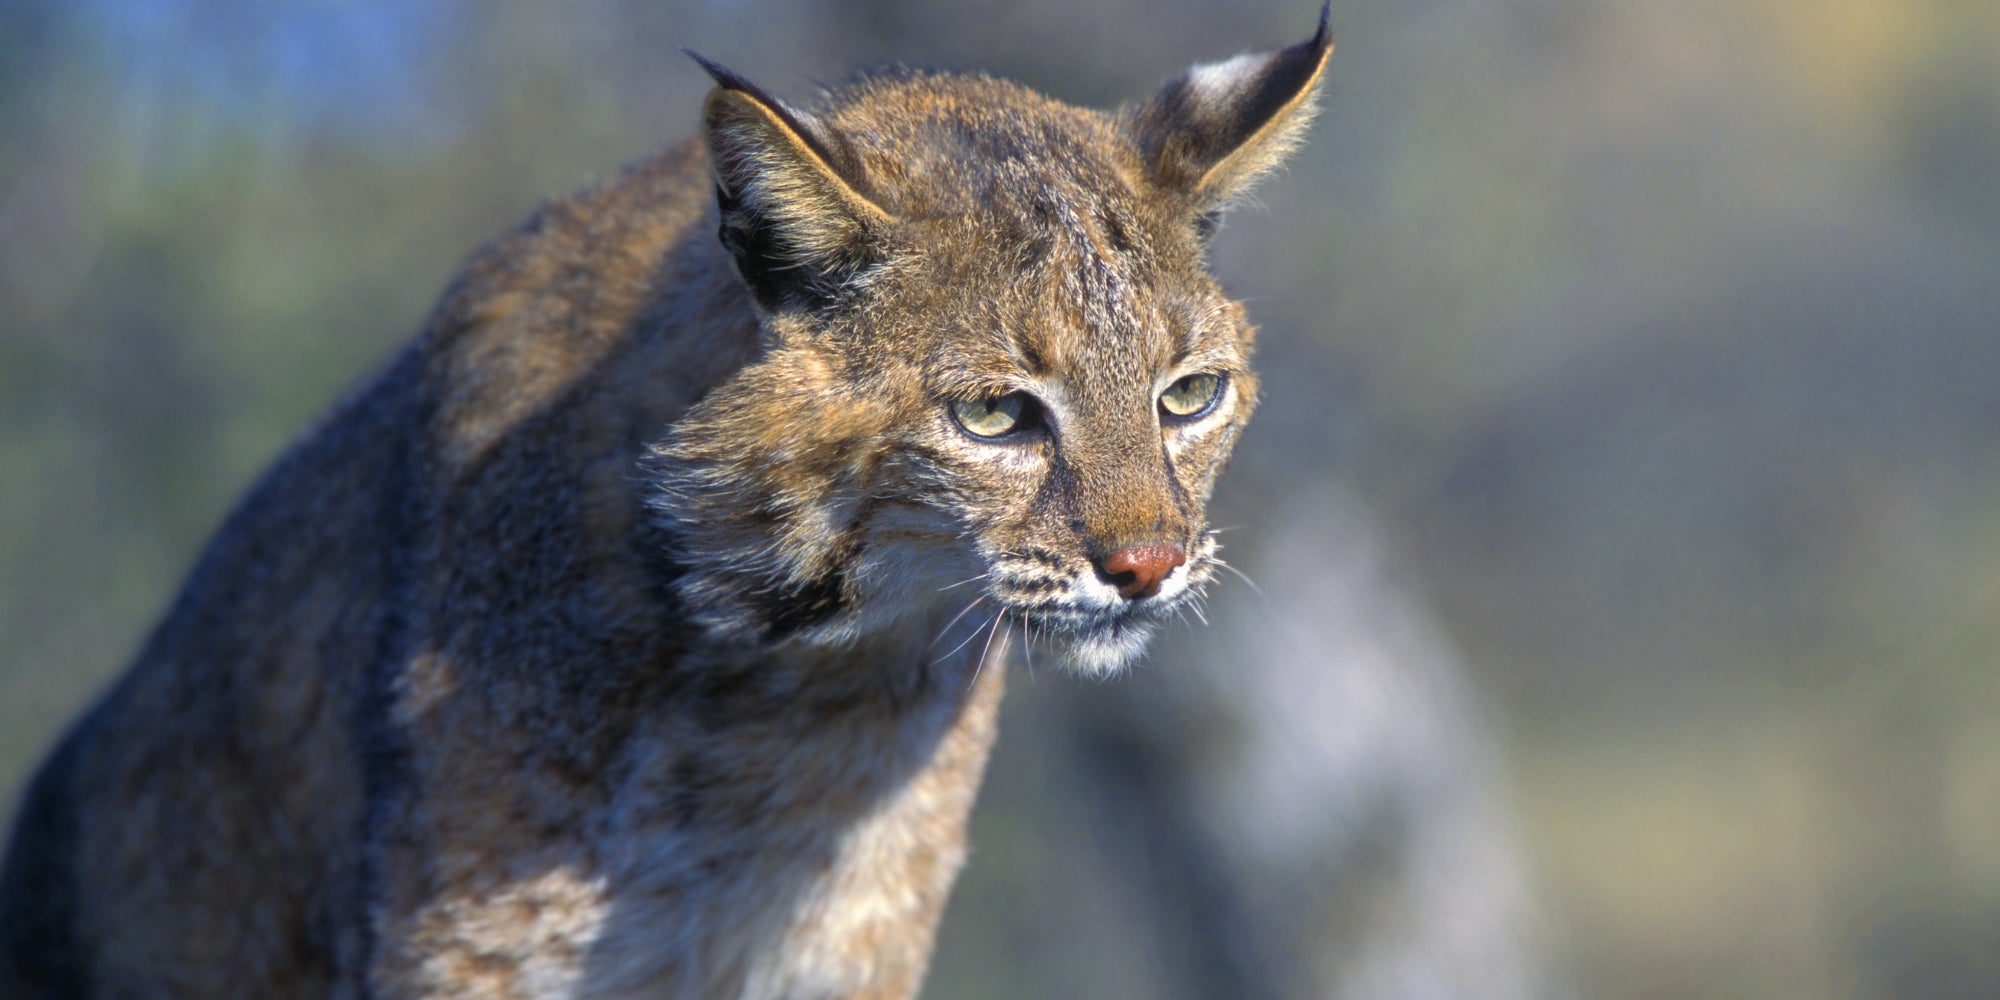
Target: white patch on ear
x: 1213, y: 130
x: 1210, y: 79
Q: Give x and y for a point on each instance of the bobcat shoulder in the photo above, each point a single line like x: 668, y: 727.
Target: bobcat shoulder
x: 640, y: 628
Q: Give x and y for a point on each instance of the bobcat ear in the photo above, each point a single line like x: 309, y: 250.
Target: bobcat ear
x: 792, y: 197
x: 1213, y: 130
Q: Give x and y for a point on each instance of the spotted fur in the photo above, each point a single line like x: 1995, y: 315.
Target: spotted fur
x: 640, y: 630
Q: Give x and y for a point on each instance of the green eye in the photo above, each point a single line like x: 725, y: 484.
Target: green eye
x: 1191, y: 396
x: 992, y: 418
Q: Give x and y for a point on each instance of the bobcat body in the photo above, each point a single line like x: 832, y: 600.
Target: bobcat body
x: 639, y: 630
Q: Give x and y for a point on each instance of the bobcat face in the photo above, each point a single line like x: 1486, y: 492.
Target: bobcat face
x: 1082, y: 384
x: 997, y: 378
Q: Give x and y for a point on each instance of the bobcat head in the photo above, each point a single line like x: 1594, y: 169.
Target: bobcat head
x: 994, y: 374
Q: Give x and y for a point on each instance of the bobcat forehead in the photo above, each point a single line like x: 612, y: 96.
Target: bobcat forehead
x: 935, y: 144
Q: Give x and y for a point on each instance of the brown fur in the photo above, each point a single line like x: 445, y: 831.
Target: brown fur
x: 640, y: 630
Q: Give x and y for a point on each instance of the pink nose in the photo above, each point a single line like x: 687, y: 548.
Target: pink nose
x: 1137, y: 570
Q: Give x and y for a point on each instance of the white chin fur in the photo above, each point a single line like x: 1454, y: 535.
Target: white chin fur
x: 1104, y: 652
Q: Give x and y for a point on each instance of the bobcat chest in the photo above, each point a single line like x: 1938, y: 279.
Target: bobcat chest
x: 779, y: 860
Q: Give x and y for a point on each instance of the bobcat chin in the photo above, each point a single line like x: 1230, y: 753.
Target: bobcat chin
x: 639, y: 630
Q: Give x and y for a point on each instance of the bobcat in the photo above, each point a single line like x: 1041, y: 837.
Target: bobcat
x: 639, y: 630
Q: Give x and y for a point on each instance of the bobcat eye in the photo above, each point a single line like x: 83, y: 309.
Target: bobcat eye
x: 995, y: 417
x: 1191, y: 396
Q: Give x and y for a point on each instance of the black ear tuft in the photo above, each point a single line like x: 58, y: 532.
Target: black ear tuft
x: 793, y: 199
x: 722, y: 75
x: 1213, y: 130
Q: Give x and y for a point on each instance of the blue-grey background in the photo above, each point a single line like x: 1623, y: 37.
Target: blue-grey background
x: 1626, y: 498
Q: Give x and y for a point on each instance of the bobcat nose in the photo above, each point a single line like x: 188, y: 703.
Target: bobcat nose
x: 1137, y: 570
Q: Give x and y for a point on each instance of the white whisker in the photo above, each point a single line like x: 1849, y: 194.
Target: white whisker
x: 954, y: 620
x: 990, y: 633
x: 980, y: 664
x: 1242, y: 576
x: 974, y: 634
x: 1028, y: 639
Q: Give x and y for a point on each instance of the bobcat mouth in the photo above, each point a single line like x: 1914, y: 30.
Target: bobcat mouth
x: 1093, y: 641
x: 1082, y: 620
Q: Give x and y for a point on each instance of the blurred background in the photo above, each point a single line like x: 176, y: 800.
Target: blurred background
x: 1625, y: 502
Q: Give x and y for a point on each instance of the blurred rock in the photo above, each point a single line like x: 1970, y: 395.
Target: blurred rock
x: 1301, y: 800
